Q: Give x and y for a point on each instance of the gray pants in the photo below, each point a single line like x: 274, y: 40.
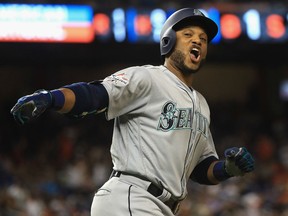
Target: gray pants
x: 127, y: 196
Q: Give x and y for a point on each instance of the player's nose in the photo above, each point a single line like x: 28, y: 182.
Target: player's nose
x: 196, y: 40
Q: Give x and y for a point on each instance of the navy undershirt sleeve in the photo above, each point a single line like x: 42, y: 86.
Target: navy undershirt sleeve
x: 199, y: 173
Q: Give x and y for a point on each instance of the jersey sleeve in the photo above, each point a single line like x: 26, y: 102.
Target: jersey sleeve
x: 209, y: 148
x: 207, y: 140
x: 128, y: 90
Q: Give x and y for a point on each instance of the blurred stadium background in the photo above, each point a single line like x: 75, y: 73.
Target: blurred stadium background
x: 53, y: 166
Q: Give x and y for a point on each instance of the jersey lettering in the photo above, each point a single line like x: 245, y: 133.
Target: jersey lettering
x: 173, y: 118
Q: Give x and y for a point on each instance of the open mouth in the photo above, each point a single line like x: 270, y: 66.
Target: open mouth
x: 195, y: 54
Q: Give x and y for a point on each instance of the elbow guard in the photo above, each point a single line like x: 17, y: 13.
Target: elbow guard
x: 89, y: 98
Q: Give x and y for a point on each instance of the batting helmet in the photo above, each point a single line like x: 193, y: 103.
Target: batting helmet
x: 185, y: 15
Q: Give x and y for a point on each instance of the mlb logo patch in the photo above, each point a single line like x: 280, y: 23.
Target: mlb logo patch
x: 120, y: 79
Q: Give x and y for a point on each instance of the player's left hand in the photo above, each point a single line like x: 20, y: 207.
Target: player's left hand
x: 238, y: 161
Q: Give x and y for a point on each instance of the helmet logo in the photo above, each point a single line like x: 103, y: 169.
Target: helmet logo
x: 197, y: 12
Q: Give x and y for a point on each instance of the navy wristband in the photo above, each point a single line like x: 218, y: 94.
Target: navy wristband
x: 219, y: 171
x: 58, y: 99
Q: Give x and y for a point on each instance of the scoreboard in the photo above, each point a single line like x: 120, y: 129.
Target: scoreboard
x: 60, y: 23
x: 46, y: 23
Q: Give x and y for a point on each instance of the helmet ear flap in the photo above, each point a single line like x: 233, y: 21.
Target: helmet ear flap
x: 167, y: 41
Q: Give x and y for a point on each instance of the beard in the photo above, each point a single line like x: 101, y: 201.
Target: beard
x: 178, y: 58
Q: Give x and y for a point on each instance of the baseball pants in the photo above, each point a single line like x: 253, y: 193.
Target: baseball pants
x: 127, y: 196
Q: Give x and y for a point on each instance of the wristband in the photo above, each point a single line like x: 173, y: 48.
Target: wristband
x: 219, y: 171
x: 58, y: 99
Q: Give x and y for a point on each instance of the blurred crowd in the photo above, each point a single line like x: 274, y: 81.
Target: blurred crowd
x: 53, y: 166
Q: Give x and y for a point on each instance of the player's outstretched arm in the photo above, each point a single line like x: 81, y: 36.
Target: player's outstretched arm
x: 238, y: 162
x: 77, y: 100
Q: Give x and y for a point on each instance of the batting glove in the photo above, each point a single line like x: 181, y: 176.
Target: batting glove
x: 30, y: 107
x: 238, y: 161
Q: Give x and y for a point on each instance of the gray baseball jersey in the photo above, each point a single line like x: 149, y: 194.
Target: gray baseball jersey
x: 161, y: 129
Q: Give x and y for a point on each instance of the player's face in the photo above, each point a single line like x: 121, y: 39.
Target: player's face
x: 190, y: 49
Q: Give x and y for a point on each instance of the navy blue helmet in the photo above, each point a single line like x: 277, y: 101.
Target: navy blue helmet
x: 181, y: 17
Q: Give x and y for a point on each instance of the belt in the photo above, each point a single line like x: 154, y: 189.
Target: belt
x: 155, y: 191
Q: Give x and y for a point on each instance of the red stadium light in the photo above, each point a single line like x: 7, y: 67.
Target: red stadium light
x: 275, y: 26
x: 230, y: 26
x: 101, y: 24
x: 142, y: 25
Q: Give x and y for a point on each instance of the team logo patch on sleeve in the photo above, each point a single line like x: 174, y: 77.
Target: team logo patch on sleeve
x: 119, y: 79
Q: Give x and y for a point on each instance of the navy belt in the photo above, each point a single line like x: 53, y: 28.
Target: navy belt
x: 155, y: 191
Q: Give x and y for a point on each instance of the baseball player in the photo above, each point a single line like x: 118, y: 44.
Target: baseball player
x: 161, y: 133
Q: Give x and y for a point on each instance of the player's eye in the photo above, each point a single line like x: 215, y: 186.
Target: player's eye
x: 188, y: 34
x: 203, y: 39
